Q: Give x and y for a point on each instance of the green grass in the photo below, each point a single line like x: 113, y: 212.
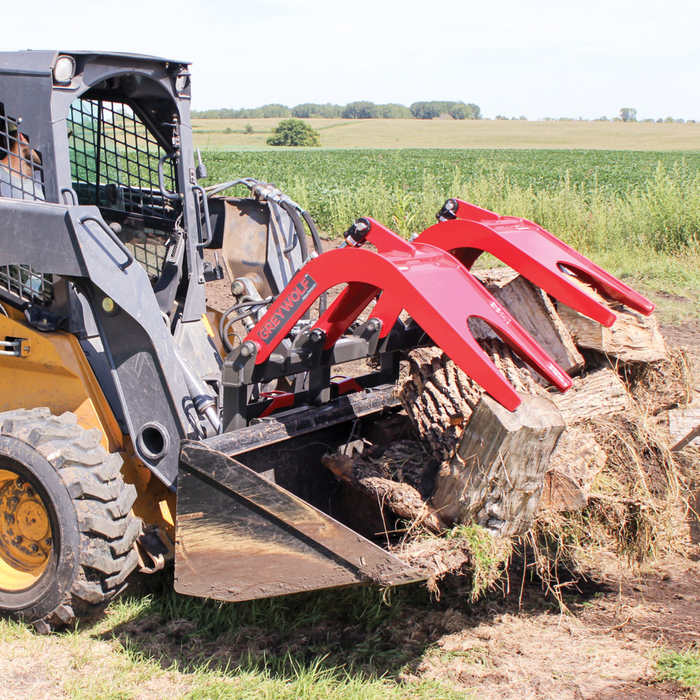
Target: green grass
x: 333, y: 645
x: 682, y: 667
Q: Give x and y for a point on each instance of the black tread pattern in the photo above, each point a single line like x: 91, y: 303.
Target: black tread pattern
x: 102, y: 502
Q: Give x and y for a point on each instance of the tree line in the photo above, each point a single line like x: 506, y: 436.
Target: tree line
x: 353, y: 110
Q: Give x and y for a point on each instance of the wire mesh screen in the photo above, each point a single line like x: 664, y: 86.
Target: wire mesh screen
x: 26, y: 283
x: 149, y: 247
x: 114, y: 165
x: 21, y: 177
x: 114, y: 159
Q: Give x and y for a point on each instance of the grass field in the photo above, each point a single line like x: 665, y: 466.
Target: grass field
x: 211, y: 134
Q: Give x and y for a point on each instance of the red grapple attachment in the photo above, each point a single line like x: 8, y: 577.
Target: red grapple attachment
x: 535, y: 253
x: 437, y: 291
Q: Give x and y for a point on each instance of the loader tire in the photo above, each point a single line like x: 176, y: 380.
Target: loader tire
x: 66, y: 529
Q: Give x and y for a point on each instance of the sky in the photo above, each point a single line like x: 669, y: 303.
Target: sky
x: 534, y: 58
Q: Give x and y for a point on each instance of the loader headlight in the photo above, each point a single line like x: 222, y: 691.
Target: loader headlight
x: 64, y: 70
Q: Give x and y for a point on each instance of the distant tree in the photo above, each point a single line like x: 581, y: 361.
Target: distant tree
x: 309, y: 110
x: 628, y: 114
x: 457, y: 110
x: 669, y: 120
x: 395, y: 111
x: 500, y: 117
x: 294, y: 132
x: 248, y: 129
x: 275, y: 111
x: 361, y: 110
x: 523, y: 119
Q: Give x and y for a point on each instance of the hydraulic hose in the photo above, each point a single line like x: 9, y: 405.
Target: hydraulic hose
x: 298, y: 227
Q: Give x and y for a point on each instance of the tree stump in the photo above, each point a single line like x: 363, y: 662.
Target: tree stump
x: 496, y: 476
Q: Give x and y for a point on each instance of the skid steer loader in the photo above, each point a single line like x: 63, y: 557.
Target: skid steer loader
x: 139, y: 426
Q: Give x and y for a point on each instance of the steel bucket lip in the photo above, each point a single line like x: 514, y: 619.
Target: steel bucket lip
x: 278, y: 543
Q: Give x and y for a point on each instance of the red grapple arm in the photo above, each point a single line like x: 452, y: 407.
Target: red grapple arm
x: 536, y: 254
x: 438, y: 291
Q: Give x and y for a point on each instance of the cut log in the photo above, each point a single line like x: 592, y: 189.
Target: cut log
x: 632, y: 338
x: 362, y: 473
x: 535, y: 312
x: 574, y: 464
x: 594, y: 395
x: 439, y: 398
x: 496, y: 477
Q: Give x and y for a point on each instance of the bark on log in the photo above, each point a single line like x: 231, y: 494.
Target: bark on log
x: 496, y: 477
x: 574, y: 464
x: 439, y: 398
x: 535, y: 312
x: 632, y: 338
x: 594, y: 395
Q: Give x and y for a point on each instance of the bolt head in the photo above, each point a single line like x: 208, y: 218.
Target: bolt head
x: 33, y: 549
x: 247, y: 349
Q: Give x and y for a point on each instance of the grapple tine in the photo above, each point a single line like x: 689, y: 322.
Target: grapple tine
x: 435, y: 288
x: 536, y: 254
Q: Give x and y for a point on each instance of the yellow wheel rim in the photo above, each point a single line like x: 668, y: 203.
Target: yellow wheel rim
x: 25, y: 533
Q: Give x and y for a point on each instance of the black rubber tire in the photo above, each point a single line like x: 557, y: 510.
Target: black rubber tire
x: 89, y: 509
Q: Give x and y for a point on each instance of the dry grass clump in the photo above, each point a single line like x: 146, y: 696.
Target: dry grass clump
x: 639, y: 504
x: 662, y: 386
x: 465, y: 550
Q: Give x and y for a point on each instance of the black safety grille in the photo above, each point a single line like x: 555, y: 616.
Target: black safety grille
x: 114, y: 160
x: 27, y: 284
x: 21, y: 177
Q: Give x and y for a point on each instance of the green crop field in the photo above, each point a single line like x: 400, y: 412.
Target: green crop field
x: 636, y: 213
x: 228, y: 134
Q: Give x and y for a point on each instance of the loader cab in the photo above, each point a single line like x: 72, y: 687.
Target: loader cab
x: 111, y: 131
